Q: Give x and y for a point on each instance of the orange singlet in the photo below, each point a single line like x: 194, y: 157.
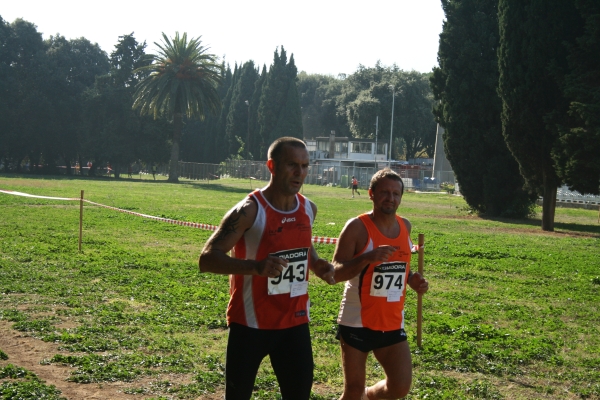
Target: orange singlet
x: 374, y: 298
x: 273, y: 303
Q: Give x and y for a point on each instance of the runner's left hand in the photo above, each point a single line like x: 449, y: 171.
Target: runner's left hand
x: 325, y: 271
x: 418, y: 283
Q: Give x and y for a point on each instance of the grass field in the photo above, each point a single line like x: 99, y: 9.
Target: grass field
x: 512, y: 312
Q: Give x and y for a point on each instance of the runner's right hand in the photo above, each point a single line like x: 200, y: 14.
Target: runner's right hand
x: 381, y: 254
x: 271, y: 266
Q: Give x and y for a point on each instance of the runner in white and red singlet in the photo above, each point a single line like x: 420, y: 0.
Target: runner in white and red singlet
x: 270, y: 236
x: 373, y: 257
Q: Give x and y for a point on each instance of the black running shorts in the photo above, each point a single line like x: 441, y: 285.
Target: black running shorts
x: 365, y: 339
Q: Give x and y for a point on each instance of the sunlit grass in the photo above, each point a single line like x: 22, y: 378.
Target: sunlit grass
x: 512, y: 312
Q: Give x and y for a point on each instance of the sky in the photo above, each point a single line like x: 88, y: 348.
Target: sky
x: 326, y: 37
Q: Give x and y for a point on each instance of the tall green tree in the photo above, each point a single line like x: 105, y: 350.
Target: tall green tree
x: 331, y: 118
x: 577, y: 155
x: 289, y: 122
x: 415, y: 121
x: 31, y: 107
x: 238, y: 118
x: 126, y: 60
x: 534, y: 38
x: 183, y: 80
x: 73, y: 67
x: 279, y: 109
x: 366, y: 95
x: 222, y: 144
x: 311, y: 102
x: 113, y: 132
x: 465, y: 86
x: 255, y: 139
x: 8, y: 88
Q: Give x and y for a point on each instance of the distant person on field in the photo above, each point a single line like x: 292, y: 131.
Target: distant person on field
x: 129, y: 171
x: 269, y: 234
x: 373, y: 257
x: 154, y: 171
x: 354, y: 186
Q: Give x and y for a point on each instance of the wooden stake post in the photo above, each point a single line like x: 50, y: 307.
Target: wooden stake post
x: 420, y: 296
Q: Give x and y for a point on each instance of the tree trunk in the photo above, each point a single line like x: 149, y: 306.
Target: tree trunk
x: 174, y: 164
x: 68, y: 166
x: 35, y: 162
x: 19, y: 161
x: 549, y: 206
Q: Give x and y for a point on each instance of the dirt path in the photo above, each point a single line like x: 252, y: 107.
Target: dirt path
x: 27, y: 352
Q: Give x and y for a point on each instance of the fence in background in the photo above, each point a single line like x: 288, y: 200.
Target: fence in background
x: 564, y: 195
x: 318, y: 174
x: 324, y: 175
x: 416, y: 179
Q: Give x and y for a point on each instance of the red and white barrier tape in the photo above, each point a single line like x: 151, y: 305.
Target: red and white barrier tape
x: 34, y: 196
x: 415, y: 248
x: 324, y: 240
x: 206, y: 227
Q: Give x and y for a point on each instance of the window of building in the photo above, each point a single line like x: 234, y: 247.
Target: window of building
x: 358, y: 147
x: 341, y: 147
x: 323, y: 146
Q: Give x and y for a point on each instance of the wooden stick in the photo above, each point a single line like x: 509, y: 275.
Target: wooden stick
x: 420, y: 296
x: 80, y: 220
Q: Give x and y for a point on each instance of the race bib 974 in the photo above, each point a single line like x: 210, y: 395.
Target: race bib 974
x: 388, y: 280
x: 292, y: 279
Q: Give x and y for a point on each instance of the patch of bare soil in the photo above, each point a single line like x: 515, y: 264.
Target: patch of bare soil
x: 518, y: 387
x: 27, y: 352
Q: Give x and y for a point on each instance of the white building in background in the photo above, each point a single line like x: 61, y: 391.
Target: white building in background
x: 344, y: 151
x: 334, y: 160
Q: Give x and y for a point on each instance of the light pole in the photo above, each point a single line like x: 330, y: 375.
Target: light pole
x: 376, y: 129
x: 248, y: 133
x: 392, y: 127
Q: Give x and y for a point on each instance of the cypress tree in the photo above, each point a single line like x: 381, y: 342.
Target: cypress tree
x: 577, y: 155
x: 272, y: 100
x: 469, y: 108
x: 533, y: 38
x: 290, y: 117
x: 238, y: 116
x: 256, y: 143
x: 221, y: 143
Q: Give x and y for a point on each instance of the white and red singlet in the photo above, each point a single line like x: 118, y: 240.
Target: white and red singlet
x: 281, y: 302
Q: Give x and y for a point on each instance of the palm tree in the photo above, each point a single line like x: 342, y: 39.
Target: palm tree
x: 182, y: 79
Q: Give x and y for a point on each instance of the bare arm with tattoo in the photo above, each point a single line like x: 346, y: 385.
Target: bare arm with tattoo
x: 214, y: 257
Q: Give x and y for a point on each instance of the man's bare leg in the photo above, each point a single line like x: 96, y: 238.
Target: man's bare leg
x: 397, y: 364
x: 354, y: 363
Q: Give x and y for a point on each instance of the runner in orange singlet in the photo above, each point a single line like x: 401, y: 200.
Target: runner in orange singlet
x: 270, y: 235
x: 373, y: 257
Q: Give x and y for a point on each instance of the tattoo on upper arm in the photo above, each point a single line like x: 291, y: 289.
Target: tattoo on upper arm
x: 230, y: 224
